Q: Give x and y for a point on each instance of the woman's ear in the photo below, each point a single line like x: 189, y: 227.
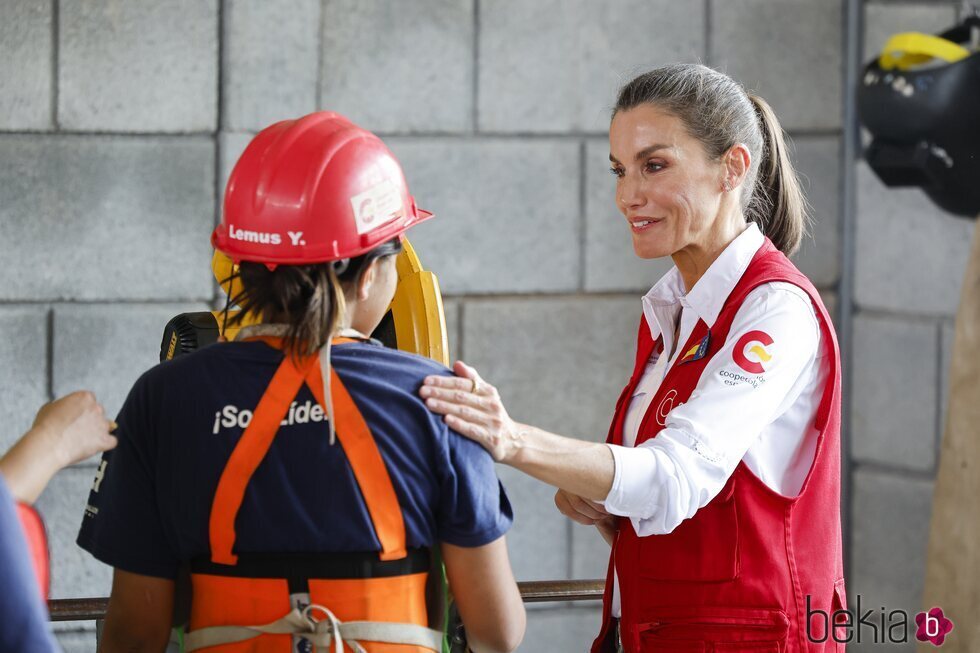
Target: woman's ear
x: 737, y: 163
x: 367, y: 279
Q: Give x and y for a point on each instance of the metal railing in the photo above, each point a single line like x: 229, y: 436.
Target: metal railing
x: 534, y: 591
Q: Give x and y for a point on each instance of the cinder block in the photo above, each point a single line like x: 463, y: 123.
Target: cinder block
x: 74, y: 573
x: 538, y: 541
x: 271, y: 61
x: 138, y: 66
x: 106, y: 347
x: 883, y: 19
x: 24, y: 361
x: 399, y: 67
x: 25, y: 68
x: 791, y: 57
x: 610, y: 262
x: 911, y: 255
x: 830, y: 302
x: 89, y: 217
x: 569, y: 629
x: 947, y: 335
x: 452, y: 309
x: 893, y: 412
x: 559, y: 364
x: 590, y: 553
x: 890, y: 533
x: 507, y: 212
x: 556, y: 66
x: 78, y: 641
x: 230, y: 148
x: 818, y: 162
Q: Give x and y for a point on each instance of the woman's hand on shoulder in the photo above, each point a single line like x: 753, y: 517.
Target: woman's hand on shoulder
x: 77, y: 426
x: 473, y: 408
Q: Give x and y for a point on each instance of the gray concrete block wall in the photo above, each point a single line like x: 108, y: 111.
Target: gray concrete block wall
x: 500, y: 204
x: 138, y: 66
x: 554, y: 66
x: 25, y: 68
x: 909, y: 262
x: 896, y: 393
x: 23, y: 354
x: 792, y: 57
x: 891, y: 533
x: 399, y: 67
x: 271, y: 63
x: 105, y: 217
x: 498, y: 111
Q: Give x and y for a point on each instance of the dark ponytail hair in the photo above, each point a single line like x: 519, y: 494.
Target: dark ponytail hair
x: 719, y: 113
x: 308, y: 299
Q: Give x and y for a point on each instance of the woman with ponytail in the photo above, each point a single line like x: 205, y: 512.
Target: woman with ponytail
x: 294, y: 474
x: 718, y: 487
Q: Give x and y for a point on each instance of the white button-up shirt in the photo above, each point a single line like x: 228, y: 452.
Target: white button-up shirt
x: 732, y: 415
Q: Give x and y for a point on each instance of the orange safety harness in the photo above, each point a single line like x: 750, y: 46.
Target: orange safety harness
x: 361, y: 602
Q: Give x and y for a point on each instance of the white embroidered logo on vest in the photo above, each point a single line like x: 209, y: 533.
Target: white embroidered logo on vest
x: 666, y: 405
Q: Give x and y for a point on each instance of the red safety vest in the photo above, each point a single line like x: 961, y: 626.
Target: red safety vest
x: 231, y: 590
x: 37, y: 544
x: 750, y: 568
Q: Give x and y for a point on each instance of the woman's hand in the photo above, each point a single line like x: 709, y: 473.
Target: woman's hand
x: 473, y: 408
x: 65, y: 431
x: 579, y: 509
x: 589, y: 513
x: 77, y: 427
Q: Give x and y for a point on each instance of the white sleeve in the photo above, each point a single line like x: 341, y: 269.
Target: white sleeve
x: 665, y: 480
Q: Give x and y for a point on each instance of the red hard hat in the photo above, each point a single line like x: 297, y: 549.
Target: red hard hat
x: 313, y: 190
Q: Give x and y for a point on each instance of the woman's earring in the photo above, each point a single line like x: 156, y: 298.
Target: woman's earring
x: 728, y: 186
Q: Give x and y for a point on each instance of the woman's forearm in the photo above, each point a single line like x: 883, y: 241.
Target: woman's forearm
x: 583, y: 468
x: 30, y: 464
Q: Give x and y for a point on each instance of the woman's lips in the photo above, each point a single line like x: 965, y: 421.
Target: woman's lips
x: 642, y: 224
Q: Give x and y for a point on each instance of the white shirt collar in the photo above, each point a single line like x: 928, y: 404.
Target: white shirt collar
x: 710, y: 292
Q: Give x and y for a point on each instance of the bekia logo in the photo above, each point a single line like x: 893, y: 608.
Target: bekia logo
x: 875, y: 627
x: 933, y: 626
x: 754, y: 343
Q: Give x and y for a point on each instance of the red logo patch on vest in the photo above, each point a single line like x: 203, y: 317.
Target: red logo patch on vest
x: 759, y: 341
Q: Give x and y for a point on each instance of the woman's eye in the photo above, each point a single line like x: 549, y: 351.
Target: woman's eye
x: 617, y: 172
x: 653, y: 166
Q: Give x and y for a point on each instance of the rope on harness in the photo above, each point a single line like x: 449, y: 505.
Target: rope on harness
x: 323, y: 633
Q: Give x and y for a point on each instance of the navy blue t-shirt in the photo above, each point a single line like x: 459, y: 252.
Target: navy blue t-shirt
x: 150, y: 505
x: 24, y: 624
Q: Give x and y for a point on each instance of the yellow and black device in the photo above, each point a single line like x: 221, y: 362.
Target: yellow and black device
x: 415, y: 321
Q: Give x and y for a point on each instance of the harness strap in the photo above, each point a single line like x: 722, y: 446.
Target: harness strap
x: 321, y: 633
x: 367, y: 464
x: 355, y: 437
x: 248, y: 455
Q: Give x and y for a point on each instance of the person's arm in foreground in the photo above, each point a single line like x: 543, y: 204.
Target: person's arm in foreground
x: 139, y: 614
x: 486, y: 594
x: 24, y: 626
x: 65, y: 431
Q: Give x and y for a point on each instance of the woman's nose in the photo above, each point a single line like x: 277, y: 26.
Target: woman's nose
x: 628, y: 194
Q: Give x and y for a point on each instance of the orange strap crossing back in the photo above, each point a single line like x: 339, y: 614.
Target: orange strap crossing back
x: 368, y: 466
x: 354, y: 436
